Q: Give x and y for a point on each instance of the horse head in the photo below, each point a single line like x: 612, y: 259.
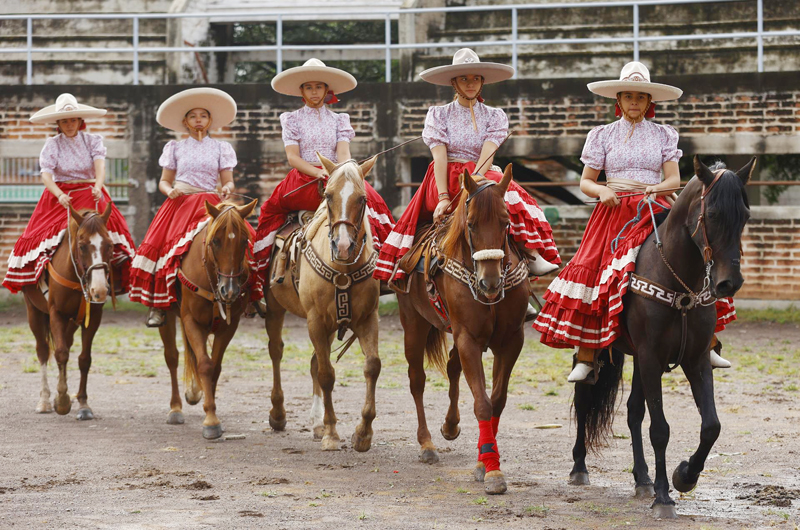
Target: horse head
x: 481, y: 221
x: 91, y: 250
x: 346, y: 202
x: 226, y: 247
x: 717, y: 214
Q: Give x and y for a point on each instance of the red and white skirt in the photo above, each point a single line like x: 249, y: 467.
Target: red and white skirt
x: 168, y: 238
x: 275, y: 210
x: 583, y: 304
x: 528, y: 224
x: 47, y: 227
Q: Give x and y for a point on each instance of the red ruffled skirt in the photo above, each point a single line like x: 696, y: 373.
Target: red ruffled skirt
x: 528, y: 224
x: 582, y: 305
x: 168, y: 238
x: 47, y: 227
x: 275, y: 210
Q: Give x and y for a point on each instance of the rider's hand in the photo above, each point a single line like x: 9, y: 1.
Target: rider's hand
x: 96, y: 193
x: 175, y: 193
x: 64, y: 200
x: 226, y: 191
x: 321, y: 174
x: 650, y: 190
x: 608, y: 197
x: 438, y: 213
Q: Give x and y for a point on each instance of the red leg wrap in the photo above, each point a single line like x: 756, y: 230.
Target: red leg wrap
x: 487, y: 446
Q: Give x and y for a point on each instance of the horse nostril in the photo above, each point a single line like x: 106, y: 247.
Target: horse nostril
x: 724, y: 287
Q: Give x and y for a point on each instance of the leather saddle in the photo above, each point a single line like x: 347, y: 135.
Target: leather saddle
x: 420, y: 258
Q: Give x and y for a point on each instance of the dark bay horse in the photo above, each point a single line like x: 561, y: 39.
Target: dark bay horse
x: 485, y: 309
x: 215, y: 289
x: 701, y: 241
x: 78, y: 285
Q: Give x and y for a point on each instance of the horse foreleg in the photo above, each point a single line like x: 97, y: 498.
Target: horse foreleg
x: 274, y: 326
x: 416, y: 330
x: 581, y: 403
x: 450, y: 428
x: 636, y: 410
x: 317, y: 408
x: 321, y: 338
x: 701, y: 378
x: 367, y: 332
x: 61, y: 342
x: 168, y: 334
x: 85, y: 361
x: 197, y: 337
x: 38, y: 322
x: 650, y: 370
x: 222, y: 338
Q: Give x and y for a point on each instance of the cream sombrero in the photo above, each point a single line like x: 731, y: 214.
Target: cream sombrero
x: 219, y: 104
x: 635, y: 77
x: 289, y: 81
x: 467, y: 62
x: 66, y: 107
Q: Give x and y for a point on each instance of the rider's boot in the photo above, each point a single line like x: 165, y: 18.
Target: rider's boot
x: 584, y: 369
x: 530, y: 314
x: 156, y: 317
x: 280, y: 268
x: 537, y: 265
x: 717, y: 361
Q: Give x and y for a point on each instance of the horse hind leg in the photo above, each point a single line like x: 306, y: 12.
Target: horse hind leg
x: 274, y: 326
x: 168, y: 334
x: 579, y: 476
x: 636, y: 410
x: 367, y: 333
x: 39, y: 323
x: 317, y: 407
x: 451, y: 428
x: 85, y: 362
x: 415, y: 336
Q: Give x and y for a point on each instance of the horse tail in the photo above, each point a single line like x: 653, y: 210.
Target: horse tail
x: 602, y: 405
x: 436, y: 349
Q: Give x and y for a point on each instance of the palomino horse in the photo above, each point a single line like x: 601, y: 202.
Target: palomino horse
x: 331, y: 286
x: 215, y: 288
x: 485, y: 305
x: 701, y: 242
x: 78, y: 286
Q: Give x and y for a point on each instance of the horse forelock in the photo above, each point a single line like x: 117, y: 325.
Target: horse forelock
x: 347, y: 172
x: 729, y: 199
x: 230, y: 219
x: 90, y: 225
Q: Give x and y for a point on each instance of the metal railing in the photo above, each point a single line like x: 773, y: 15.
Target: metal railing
x: 279, y: 47
x: 21, y: 181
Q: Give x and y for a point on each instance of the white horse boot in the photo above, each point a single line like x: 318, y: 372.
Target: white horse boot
x: 537, y: 265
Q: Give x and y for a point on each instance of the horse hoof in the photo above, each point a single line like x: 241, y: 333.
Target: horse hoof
x: 479, y: 472
x: 494, y: 483
x: 44, y: 407
x: 212, y: 432
x: 678, y: 481
x: 361, y: 444
x: 277, y: 425
x: 84, y: 414
x: 448, y: 436
x: 193, y: 400
x: 330, y: 443
x: 175, y: 418
x: 428, y: 456
x: 62, y: 404
x: 665, y: 511
x: 319, y: 432
x: 580, y: 478
x: 645, y: 491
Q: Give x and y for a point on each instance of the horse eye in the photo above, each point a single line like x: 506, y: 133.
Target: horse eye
x: 328, y: 196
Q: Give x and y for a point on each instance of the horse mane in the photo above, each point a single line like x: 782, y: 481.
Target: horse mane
x: 729, y: 196
x: 484, y: 207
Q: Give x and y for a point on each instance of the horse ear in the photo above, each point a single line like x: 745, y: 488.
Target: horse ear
x: 747, y: 171
x: 247, y: 209
x: 506, y: 180
x: 75, y: 215
x: 326, y: 164
x: 467, y: 182
x: 106, y: 214
x: 212, y: 210
x: 703, y: 173
x: 367, y: 166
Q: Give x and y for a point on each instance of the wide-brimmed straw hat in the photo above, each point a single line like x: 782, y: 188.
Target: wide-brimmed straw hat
x: 66, y: 107
x: 219, y: 104
x: 467, y: 62
x: 289, y: 81
x: 635, y: 77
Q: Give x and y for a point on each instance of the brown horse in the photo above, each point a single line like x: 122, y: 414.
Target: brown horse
x: 78, y: 286
x: 215, y: 288
x: 332, y: 287
x: 485, y: 305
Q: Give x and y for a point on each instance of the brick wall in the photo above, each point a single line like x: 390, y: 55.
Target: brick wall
x: 14, y: 124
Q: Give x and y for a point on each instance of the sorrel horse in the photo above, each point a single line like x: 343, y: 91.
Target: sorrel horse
x: 485, y: 305
x: 701, y: 243
x: 78, y: 286
x: 332, y: 287
x: 215, y: 289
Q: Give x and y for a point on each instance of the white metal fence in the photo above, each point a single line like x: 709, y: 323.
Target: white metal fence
x: 513, y: 41
x: 20, y: 180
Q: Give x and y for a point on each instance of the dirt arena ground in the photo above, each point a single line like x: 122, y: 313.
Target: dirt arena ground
x: 129, y: 469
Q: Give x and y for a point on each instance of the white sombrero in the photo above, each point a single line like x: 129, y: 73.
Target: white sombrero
x: 66, y: 107
x: 635, y: 77
x: 219, y: 104
x: 467, y: 62
x: 289, y: 81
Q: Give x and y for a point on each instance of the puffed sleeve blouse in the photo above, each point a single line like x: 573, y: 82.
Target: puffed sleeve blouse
x: 316, y: 130
x: 451, y: 125
x: 198, y: 163
x: 72, y: 158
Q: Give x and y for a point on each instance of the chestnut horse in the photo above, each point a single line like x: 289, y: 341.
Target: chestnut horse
x: 215, y: 289
x: 78, y: 286
x: 701, y: 241
x: 331, y: 286
x: 487, y: 311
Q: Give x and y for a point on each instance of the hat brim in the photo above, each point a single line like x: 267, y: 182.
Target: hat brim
x: 219, y: 104
x: 49, y: 114
x: 289, y: 81
x: 657, y: 91
x: 491, y: 72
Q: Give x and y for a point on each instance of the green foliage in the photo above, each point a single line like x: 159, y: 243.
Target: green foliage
x: 778, y: 167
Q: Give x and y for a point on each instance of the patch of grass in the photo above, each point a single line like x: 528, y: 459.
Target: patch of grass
x: 599, y: 509
x: 790, y: 315
x: 537, y: 510
x: 30, y: 366
x: 362, y: 516
x: 551, y: 392
x: 388, y: 308
x: 527, y: 406
x: 481, y: 501
x: 791, y: 387
x: 463, y: 490
x: 621, y: 436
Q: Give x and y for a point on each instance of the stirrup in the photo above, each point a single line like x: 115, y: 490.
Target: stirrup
x: 156, y: 318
